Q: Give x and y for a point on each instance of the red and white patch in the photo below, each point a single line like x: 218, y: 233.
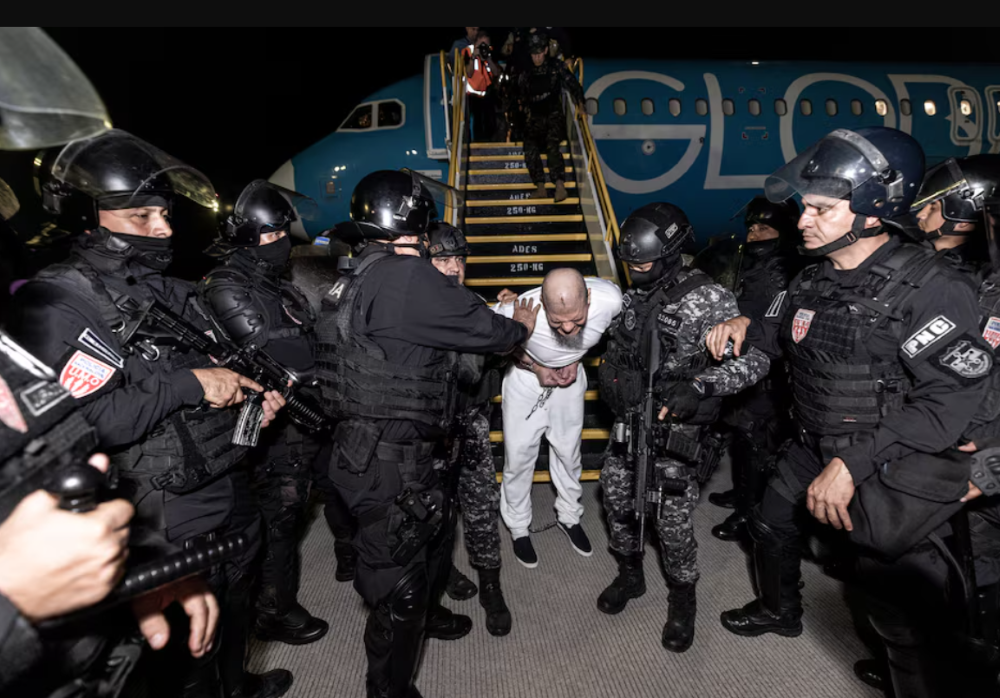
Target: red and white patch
x: 800, y: 324
x: 83, y: 375
x: 9, y: 413
x: 991, y: 333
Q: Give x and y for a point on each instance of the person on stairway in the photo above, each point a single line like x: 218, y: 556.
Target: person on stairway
x: 541, y: 89
x: 543, y: 394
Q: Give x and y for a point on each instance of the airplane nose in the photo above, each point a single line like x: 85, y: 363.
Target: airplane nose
x: 284, y: 176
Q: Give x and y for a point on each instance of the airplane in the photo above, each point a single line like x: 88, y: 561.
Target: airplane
x: 701, y: 134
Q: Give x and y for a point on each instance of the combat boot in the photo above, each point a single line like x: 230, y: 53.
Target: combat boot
x: 443, y: 624
x: 733, y: 528
x: 629, y: 584
x: 459, y: 586
x: 560, y: 194
x: 498, y: 620
x: 539, y: 192
x: 347, y: 557
x: 285, y: 621
x: 678, y: 632
x: 272, y: 684
x: 779, y: 609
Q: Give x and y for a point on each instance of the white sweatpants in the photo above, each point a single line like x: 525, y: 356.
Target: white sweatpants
x: 560, y: 419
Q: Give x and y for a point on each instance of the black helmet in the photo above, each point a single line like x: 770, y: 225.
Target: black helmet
x: 538, y: 43
x: 447, y: 241
x: 264, y: 207
x: 961, y: 185
x: 782, y: 216
x: 115, y: 170
x: 877, y: 169
x: 653, y: 232
x: 388, y: 204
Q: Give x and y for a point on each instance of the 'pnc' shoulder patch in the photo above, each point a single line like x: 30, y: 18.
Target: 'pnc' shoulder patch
x: 927, y: 335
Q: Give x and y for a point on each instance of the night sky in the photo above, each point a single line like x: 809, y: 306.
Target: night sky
x: 237, y: 103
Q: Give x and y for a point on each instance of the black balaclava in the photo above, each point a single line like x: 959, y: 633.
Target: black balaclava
x: 663, y: 268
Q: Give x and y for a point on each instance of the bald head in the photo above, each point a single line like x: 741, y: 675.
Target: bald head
x: 566, y: 300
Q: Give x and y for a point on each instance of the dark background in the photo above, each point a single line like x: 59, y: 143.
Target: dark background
x: 237, y: 103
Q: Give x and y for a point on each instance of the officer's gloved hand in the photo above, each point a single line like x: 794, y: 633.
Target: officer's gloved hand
x: 681, y: 399
x: 984, y: 467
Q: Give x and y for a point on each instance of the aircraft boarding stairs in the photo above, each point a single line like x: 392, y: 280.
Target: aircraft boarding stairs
x: 515, y: 241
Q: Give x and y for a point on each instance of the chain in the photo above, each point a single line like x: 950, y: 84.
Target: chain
x: 541, y: 401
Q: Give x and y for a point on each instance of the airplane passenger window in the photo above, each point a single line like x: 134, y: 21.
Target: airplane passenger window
x: 929, y: 108
x: 754, y: 106
x: 591, y: 106
x: 904, y: 106
x: 780, y: 107
x: 881, y: 108
x: 806, y: 107
x: 647, y: 107
x: 966, y: 107
x: 701, y: 107
x: 620, y: 107
x: 390, y: 114
x: 856, y: 107
x: 360, y: 119
x: 831, y: 107
x: 675, y: 107
x: 728, y: 108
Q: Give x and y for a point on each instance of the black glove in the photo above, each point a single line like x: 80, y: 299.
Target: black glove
x: 682, y: 399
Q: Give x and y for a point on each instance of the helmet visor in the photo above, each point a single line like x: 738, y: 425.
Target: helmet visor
x: 834, y: 167
x: 118, y: 163
x: 438, y: 194
x: 45, y: 99
x: 941, y: 181
x: 991, y: 216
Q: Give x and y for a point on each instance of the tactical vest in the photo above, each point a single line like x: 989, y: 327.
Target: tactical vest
x: 838, y: 385
x: 355, y: 376
x: 624, y: 370
x: 185, y: 450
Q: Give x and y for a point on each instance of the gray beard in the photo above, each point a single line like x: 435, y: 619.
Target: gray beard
x: 574, y: 342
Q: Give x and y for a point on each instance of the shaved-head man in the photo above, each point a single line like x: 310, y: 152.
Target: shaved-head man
x: 543, y: 394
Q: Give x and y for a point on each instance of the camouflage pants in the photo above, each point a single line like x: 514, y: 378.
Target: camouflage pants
x: 674, y: 527
x: 543, y: 132
x: 478, y: 491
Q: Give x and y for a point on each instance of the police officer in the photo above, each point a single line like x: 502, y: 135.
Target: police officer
x: 758, y: 416
x: 478, y: 489
x: 872, y: 380
x: 677, y: 306
x: 947, y: 212
x: 387, y: 361
x: 159, y: 410
x: 250, y: 303
x: 540, y: 88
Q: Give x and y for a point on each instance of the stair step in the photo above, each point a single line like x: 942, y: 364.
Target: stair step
x: 530, y: 248
x: 507, y: 220
x: 506, y: 162
x: 589, y: 396
x: 480, y: 145
x: 585, y: 266
x: 528, y: 207
x: 510, y: 225
x: 478, y: 204
x: 519, y: 175
x: 507, y: 259
x: 587, y: 435
x: 504, y: 186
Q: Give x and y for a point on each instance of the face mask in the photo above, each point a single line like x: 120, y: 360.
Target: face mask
x: 154, y: 253
x: 277, y: 253
x: 661, y: 268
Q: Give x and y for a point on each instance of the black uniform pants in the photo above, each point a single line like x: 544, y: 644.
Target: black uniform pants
x: 282, y: 474
x: 220, y: 508
x: 485, y: 112
x: 397, y: 591
x: 543, y: 132
x: 338, y: 516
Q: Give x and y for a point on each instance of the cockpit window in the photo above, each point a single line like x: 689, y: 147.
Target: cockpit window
x: 360, y: 120
x: 390, y: 114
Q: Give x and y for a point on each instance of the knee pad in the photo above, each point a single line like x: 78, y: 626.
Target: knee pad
x: 407, y: 601
x: 761, y: 531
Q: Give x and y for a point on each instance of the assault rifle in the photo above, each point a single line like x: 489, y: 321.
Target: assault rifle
x: 250, y: 361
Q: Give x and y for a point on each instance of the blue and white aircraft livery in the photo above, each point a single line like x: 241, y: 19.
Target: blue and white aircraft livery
x: 701, y: 134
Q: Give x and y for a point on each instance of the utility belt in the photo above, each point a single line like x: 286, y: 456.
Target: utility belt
x: 700, y: 455
x: 416, y: 514
x: 828, y: 446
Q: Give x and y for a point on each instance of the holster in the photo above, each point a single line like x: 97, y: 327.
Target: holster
x: 420, y: 520
x: 357, y: 440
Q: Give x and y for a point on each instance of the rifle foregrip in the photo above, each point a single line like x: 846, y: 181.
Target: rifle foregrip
x: 305, y: 412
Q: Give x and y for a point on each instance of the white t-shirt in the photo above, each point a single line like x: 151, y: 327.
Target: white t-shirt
x: 543, y: 345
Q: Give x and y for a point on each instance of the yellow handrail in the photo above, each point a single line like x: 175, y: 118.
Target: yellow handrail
x: 613, y: 234
x: 457, y: 99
